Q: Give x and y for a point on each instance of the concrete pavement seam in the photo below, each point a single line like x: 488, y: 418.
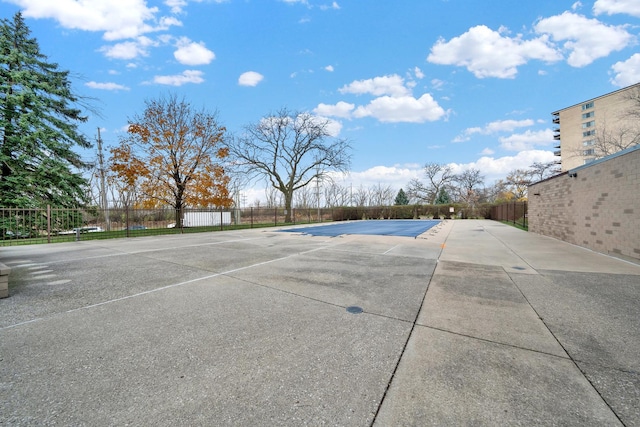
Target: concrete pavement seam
x: 573, y: 361
x: 494, y: 342
x: 284, y: 291
x: 406, y: 343
x: 120, y: 252
x: 174, y: 285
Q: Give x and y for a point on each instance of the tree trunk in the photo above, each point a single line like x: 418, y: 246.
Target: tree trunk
x: 179, y: 206
x: 288, y: 198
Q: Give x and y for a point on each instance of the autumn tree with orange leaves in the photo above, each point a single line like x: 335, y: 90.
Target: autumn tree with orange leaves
x: 172, y: 156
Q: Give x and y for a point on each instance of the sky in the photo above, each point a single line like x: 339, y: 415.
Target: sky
x: 467, y: 83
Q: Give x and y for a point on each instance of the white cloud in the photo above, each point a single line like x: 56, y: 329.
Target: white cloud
x: 187, y: 76
x: 176, y: 5
x: 493, y: 127
x: 129, y: 49
x: 333, y: 127
x: 586, y: 39
x: 398, y: 176
x: 386, y: 85
x: 250, y: 78
x: 341, y: 109
x: 402, y: 109
x: 192, y: 53
x: 106, y: 86
x: 117, y: 19
x: 437, y: 84
x: 611, y: 7
x: 394, y: 176
x: 487, y: 53
x: 627, y: 72
x: 334, y: 5
x: 329, y: 68
x: 305, y: 2
x: 528, y: 140
x: 418, y: 73
x: 497, y: 168
x: 487, y: 152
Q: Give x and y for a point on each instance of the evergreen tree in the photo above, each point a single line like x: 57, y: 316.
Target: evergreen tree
x: 401, y: 198
x: 38, y: 126
x: 443, y: 197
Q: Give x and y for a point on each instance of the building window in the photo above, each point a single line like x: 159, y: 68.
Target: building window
x: 588, y: 124
x: 589, y: 142
x: 588, y: 115
x: 587, y: 105
x: 589, y: 152
x: 589, y: 133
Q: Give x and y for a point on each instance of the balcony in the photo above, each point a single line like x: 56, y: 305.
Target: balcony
x: 557, y: 153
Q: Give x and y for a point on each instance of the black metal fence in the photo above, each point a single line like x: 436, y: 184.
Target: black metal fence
x: 514, y: 212
x: 49, y: 225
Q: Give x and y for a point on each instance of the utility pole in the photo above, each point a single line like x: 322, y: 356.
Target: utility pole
x: 103, y: 192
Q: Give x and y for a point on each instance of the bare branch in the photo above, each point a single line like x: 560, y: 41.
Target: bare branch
x: 289, y: 150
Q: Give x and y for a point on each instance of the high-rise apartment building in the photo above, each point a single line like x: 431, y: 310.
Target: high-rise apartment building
x: 597, y: 127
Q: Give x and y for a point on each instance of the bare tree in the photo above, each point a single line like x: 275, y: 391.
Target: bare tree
x: 380, y: 195
x: 633, y: 96
x: 517, y: 182
x: 497, y: 192
x: 290, y: 151
x: 540, y: 170
x: 271, y: 195
x: 344, y: 196
x: 468, y: 185
x: 305, y: 198
x: 361, y: 196
x: 611, y: 139
x: 438, y: 176
x: 417, y: 191
x: 336, y: 195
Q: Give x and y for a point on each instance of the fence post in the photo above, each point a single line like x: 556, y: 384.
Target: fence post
x: 48, y: 223
x: 514, y: 213
x: 221, y: 220
x: 275, y: 216
x: 126, y: 219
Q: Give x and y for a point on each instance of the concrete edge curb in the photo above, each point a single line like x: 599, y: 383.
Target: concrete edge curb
x: 4, y: 280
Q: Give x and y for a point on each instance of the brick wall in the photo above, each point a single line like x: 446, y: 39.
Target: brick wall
x: 598, y: 208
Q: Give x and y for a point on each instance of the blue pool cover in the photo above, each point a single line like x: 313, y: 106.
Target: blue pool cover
x: 378, y: 227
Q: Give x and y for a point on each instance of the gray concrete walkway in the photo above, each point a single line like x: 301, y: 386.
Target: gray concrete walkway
x: 473, y: 323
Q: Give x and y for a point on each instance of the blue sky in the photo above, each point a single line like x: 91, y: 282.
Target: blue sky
x: 467, y: 83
